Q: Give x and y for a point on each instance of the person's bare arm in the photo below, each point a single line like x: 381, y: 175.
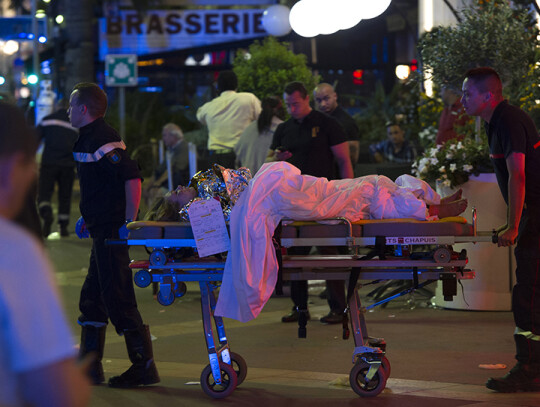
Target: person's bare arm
x: 60, y: 384
x: 354, y: 150
x: 133, y: 197
x: 270, y: 156
x: 277, y: 155
x: 516, y: 197
x: 341, y: 154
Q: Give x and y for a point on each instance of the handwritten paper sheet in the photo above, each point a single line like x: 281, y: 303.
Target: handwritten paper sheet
x: 209, y: 227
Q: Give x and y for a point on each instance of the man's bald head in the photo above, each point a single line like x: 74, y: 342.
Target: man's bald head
x: 325, y: 98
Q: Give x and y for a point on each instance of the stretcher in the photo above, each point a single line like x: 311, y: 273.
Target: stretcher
x: 392, y: 255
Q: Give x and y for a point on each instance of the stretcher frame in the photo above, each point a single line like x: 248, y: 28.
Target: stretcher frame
x: 371, y: 368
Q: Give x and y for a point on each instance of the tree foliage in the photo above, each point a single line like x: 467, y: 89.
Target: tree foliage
x: 268, y: 66
x: 491, y: 33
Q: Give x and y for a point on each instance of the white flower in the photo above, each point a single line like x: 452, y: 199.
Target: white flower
x: 449, y: 155
x: 446, y: 183
x: 453, y: 167
x: 459, y: 145
x: 434, y: 151
x: 422, y: 165
x: 467, y: 168
x: 433, y: 161
x: 442, y: 170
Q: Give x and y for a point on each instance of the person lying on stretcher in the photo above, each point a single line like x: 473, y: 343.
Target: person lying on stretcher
x: 279, y: 191
x: 227, y: 185
x: 217, y: 182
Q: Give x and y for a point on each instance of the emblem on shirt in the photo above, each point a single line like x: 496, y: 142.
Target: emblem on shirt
x: 315, y: 131
x: 114, y: 157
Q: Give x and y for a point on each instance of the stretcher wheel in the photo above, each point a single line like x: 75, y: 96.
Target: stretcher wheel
x: 142, y: 278
x: 385, y: 366
x: 228, y: 381
x: 165, y: 301
x: 158, y: 258
x: 180, y: 289
x: 442, y: 255
x: 239, y: 365
x: 363, y: 387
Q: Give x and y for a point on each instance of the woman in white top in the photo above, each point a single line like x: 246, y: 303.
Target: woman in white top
x: 255, y: 141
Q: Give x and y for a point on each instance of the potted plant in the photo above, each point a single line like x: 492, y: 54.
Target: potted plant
x: 453, y: 163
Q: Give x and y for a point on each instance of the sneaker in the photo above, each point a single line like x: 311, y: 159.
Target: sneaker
x: 521, y: 377
x: 332, y: 318
x: 293, y: 316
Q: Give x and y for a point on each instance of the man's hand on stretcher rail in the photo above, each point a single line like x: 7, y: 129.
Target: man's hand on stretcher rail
x: 506, y: 236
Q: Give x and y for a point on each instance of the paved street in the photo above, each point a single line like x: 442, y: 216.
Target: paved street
x: 434, y: 354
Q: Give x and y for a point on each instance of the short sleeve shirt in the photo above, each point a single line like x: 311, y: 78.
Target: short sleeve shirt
x: 104, y: 166
x: 512, y: 130
x: 310, y: 143
x: 347, y: 122
x: 407, y: 154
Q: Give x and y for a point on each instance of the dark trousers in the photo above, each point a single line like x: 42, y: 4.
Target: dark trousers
x: 49, y: 175
x: 335, y: 289
x: 226, y: 160
x: 108, y: 292
x: 526, y: 292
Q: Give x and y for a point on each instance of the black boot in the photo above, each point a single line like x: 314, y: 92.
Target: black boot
x: 143, y: 371
x: 93, y: 341
x: 525, y: 375
x: 47, y: 215
x: 521, y: 377
x: 64, y: 232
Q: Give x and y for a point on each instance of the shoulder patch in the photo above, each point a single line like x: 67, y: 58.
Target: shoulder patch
x: 114, y: 157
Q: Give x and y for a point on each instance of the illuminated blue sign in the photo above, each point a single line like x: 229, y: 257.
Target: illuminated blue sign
x: 20, y: 28
x: 129, y: 32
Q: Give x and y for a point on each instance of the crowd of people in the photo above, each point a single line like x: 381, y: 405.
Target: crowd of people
x: 320, y: 141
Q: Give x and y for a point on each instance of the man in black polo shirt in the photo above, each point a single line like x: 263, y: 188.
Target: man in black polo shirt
x: 515, y: 152
x: 110, y: 196
x: 326, y: 101
x: 313, y: 142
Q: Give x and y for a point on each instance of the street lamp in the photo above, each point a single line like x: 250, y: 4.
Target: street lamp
x: 9, y: 47
x: 310, y: 18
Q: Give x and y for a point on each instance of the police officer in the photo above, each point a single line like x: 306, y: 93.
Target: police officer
x: 57, y: 167
x: 110, y: 196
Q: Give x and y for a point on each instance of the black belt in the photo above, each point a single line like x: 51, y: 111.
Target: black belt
x: 221, y: 151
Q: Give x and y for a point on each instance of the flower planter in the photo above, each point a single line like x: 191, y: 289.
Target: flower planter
x: 492, y: 287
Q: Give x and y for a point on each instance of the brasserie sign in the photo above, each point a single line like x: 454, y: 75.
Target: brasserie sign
x: 165, y: 30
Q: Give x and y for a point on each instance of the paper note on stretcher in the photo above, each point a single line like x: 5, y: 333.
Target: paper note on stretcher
x: 209, y: 229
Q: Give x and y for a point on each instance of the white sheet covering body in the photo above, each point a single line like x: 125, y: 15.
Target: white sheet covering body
x: 279, y: 191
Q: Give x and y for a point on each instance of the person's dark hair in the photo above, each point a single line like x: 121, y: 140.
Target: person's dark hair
x: 485, y: 79
x: 15, y: 134
x: 292, y: 87
x: 227, y: 80
x: 93, y: 97
x: 271, y: 106
x: 393, y: 123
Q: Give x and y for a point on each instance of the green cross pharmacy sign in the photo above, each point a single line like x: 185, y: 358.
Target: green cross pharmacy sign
x: 121, y: 70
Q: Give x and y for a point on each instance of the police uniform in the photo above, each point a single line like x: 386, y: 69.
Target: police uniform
x: 57, y: 167
x: 103, y: 167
